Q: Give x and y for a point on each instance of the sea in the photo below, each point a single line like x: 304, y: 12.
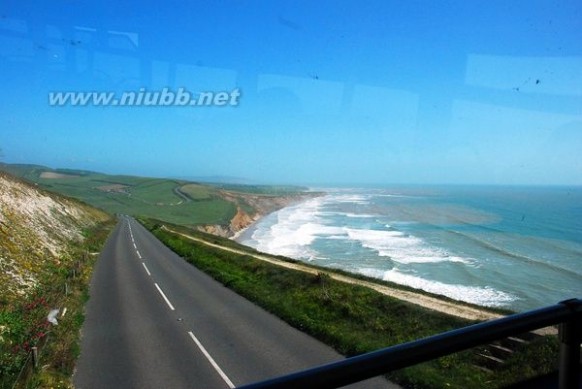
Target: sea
x: 518, y: 248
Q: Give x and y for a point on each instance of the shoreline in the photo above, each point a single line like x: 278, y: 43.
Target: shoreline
x: 248, y: 228
x: 457, y: 309
x: 240, y: 232
x: 304, y: 196
x: 481, y: 295
x: 418, y: 297
x: 262, y: 205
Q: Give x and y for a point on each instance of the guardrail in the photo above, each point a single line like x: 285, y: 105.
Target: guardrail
x: 568, y: 314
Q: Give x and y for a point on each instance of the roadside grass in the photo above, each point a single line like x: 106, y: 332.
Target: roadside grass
x: 65, y: 284
x: 353, y: 319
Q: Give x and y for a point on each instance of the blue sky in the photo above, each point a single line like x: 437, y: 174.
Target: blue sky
x: 333, y: 92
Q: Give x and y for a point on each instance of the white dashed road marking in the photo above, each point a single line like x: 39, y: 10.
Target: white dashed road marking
x: 165, y: 298
x: 146, y: 269
x: 212, y: 361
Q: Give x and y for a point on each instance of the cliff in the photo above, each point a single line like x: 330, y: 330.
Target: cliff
x: 252, y: 207
x: 35, y: 228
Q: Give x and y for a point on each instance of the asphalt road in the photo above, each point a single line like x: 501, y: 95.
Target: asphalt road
x: 155, y: 321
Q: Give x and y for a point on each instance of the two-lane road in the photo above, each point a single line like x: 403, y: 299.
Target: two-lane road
x: 155, y: 321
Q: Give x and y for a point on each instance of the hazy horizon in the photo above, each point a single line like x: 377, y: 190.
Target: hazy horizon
x: 309, y: 185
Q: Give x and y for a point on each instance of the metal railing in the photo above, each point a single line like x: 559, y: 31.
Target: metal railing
x: 568, y: 314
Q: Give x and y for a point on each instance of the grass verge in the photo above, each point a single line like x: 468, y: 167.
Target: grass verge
x: 24, y: 323
x: 355, y: 319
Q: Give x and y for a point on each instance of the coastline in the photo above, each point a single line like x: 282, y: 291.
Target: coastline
x: 261, y: 205
x: 451, y: 243
x: 425, y: 300
x: 242, y: 231
x: 249, y: 228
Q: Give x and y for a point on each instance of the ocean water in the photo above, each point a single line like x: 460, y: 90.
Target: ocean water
x: 513, y: 247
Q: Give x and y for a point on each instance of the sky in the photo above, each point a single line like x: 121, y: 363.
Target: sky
x: 331, y: 92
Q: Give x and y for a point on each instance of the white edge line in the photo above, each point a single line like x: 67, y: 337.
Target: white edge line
x: 212, y: 362
x: 146, y: 269
x: 165, y: 298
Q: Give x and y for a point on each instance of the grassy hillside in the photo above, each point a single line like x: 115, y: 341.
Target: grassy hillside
x: 47, y: 247
x: 174, y: 201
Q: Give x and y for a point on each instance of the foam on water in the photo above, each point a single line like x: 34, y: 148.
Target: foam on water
x: 350, y: 215
x: 295, y: 229
x: 401, y: 247
x: 350, y: 198
x: 360, y: 215
x: 485, y: 296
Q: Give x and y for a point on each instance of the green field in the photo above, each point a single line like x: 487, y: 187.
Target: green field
x: 270, y: 190
x: 175, y: 201
x: 198, y: 192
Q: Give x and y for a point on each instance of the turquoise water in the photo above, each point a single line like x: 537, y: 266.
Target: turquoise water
x: 512, y: 247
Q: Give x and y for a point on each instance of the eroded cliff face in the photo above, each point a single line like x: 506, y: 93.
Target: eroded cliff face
x: 35, y: 228
x: 251, y: 208
x: 241, y: 220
